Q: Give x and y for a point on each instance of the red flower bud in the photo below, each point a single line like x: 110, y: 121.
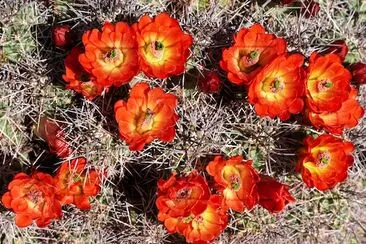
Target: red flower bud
x: 54, y: 136
x: 338, y: 47
x: 209, y: 82
x: 287, y: 1
x: 273, y: 195
x: 359, y: 72
x: 61, y: 36
x: 310, y: 8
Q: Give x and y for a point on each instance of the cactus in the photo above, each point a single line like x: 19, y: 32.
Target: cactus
x: 155, y: 2
x: 17, y: 38
x: 10, y: 134
x: 360, y: 7
x: 60, y: 7
x: 55, y: 97
x: 200, y: 5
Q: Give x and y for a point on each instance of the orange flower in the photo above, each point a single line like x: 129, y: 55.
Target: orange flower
x: 253, y: 49
x: 111, y: 54
x: 279, y: 88
x: 181, y: 197
x: 75, y: 184
x: 147, y: 115
x: 163, y: 46
x: 78, y: 79
x: 273, y: 195
x: 346, y: 117
x: 54, y: 136
x: 238, y: 180
x: 327, y: 83
x: 323, y: 162
x: 206, y: 226
x: 32, y: 198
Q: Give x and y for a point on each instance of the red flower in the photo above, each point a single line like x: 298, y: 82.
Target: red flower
x: 78, y: 79
x: 62, y: 36
x: 32, y: 198
x: 147, y: 115
x: 209, y: 82
x: 54, y: 136
x: 75, y: 184
x: 287, y: 1
x: 111, y: 54
x: 206, y: 226
x: 273, y: 195
x: 323, y: 162
x: 310, y: 8
x: 359, y: 72
x: 339, y: 48
x: 237, y: 180
x: 278, y: 89
x: 327, y: 83
x: 163, y: 46
x: 253, y: 49
x: 346, y: 117
x: 181, y: 197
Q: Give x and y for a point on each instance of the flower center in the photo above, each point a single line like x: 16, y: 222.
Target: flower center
x: 199, y: 219
x: 277, y: 86
x: 248, y: 60
x: 234, y: 182
x: 324, y: 85
x: 84, y: 77
x: 145, y: 121
x: 34, y: 196
x: 77, y: 178
x: 114, y: 56
x: 89, y: 87
x: 184, y: 193
x: 187, y: 219
x: 323, y: 159
x: 157, y: 49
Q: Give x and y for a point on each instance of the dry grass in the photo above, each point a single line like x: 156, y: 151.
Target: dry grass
x: 124, y: 212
